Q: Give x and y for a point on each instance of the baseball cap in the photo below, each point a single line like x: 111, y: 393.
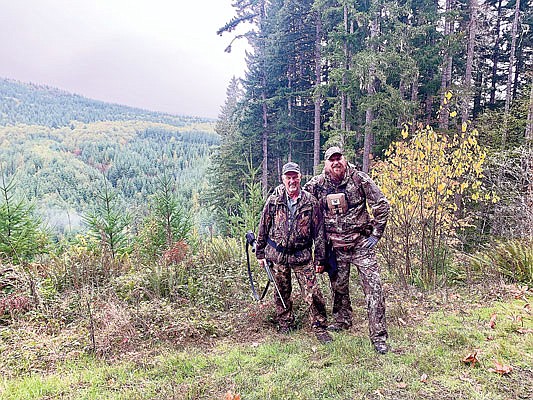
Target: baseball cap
x: 332, y: 150
x: 290, y: 167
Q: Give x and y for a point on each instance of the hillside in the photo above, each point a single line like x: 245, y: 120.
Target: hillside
x: 26, y: 103
x: 59, y: 147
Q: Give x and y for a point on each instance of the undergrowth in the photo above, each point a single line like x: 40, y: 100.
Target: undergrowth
x: 186, y: 328
x: 430, y: 336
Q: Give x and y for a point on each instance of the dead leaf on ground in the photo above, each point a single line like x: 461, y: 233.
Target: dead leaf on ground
x: 230, y: 396
x: 401, y: 385
x: 519, y: 292
x: 489, y: 338
x: 501, y: 369
x: 527, y: 308
x: 524, y: 331
x: 402, y: 322
x: 471, y: 359
x: 424, y: 378
x: 492, y: 322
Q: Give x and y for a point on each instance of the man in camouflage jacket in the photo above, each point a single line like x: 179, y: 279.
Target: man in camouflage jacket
x: 291, y: 223
x: 344, y: 194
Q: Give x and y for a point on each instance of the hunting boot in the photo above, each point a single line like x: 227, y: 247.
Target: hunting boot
x: 338, y: 327
x: 321, y: 334
x: 381, y: 347
x: 323, y: 337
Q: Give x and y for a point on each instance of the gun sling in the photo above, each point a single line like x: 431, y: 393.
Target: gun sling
x: 288, y: 250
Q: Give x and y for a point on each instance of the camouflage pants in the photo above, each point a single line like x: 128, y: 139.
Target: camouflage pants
x: 365, y: 262
x: 305, y: 274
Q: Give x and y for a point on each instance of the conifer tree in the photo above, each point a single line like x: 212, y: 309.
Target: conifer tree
x: 20, y: 236
x: 108, y: 222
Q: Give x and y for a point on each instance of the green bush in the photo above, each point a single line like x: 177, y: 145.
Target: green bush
x: 215, y: 276
x: 218, y: 275
x: 512, y: 259
x: 21, y: 235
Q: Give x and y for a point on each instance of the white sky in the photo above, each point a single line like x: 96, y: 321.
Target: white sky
x: 161, y: 55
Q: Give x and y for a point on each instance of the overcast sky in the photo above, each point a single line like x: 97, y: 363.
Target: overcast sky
x: 162, y: 55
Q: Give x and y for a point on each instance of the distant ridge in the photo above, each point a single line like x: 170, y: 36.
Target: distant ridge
x: 28, y: 103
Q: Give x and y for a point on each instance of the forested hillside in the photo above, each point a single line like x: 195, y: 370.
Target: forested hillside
x: 61, y: 148
x: 24, y: 103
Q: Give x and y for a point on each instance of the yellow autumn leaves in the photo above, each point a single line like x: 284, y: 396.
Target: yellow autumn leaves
x: 427, y: 177
x: 433, y: 168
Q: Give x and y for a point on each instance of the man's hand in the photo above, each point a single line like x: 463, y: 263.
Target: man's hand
x: 262, y: 262
x: 370, y: 242
x: 319, y: 268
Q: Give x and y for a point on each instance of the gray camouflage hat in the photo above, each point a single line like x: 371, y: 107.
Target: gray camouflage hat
x: 290, y: 167
x: 332, y: 150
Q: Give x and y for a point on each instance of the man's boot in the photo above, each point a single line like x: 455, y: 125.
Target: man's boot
x: 381, y: 347
x: 285, y: 329
x: 337, y: 327
x: 323, y: 336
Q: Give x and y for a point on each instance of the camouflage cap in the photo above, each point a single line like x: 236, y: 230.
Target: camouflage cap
x: 332, y: 150
x: 290, y: 167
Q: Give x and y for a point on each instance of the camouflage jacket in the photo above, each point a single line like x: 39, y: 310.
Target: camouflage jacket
x: 360, y: 191
x: 290, y: 243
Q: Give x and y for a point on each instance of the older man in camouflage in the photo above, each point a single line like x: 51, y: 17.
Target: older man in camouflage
x: 344, y: 194
x: 291, y: 223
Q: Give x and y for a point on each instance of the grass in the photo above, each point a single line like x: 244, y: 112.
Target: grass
x: 429, y: 337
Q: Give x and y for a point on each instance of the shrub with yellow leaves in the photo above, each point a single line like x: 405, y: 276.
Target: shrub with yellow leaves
x: 423, y: 176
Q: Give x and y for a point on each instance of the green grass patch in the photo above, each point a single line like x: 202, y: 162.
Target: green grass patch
x: 298, y: 367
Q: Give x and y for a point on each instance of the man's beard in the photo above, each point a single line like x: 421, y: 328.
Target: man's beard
x: 336, y: 174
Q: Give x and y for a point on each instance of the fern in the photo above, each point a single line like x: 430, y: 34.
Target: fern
x: 513, y: 259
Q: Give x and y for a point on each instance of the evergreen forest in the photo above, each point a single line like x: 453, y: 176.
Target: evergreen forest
x: 433, y: 98
x: 59, y: 149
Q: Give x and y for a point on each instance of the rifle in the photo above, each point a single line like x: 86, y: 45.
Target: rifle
x: 251, y: 243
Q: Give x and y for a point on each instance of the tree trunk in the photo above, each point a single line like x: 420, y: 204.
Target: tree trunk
x: 369, y: 117
x: 345, y: 67
x: 318, y: 93
x: 519, y: 57
x: 264, y: 136
x: 465, y: 101
x: 510, y: 73
x: 472, y: 30
x: 444, y: 115
x: 264, y: 145
x: 495, y: 56
x: 429, y: 109
x: 348, y: 98
x: 478, y: 85
x: 369, y: 139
